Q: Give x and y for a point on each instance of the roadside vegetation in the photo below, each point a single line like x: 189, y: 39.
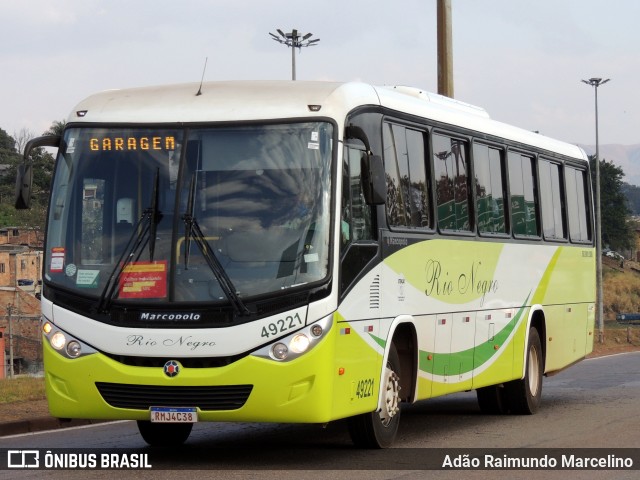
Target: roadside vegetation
x: 21, y: 389
x: 621, y: 292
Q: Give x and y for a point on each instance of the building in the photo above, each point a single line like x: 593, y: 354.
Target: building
x: 21, y: 259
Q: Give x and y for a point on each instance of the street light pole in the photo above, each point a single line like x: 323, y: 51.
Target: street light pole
x: 294, y: 40
x: 595, y: 83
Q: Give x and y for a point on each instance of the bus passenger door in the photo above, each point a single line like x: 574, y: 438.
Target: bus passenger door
x: 357, y: 352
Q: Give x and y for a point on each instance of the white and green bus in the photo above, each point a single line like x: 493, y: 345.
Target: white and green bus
x: 306, y: 252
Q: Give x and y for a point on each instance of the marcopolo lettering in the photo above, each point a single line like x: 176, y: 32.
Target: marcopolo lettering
x: 169, y: 316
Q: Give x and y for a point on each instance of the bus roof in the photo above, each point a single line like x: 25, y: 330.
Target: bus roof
x: 262, y: 100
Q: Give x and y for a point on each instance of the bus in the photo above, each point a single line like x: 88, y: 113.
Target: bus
x: 306, y: 252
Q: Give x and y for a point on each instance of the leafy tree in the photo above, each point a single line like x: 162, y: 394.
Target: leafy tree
x: 632, y: 193
x: 56, y: 128
x: 614, y: 211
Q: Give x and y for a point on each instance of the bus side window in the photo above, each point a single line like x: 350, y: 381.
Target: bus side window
x: 524, y: 218
x: 356, y: 223
x: 357, y: 232
x: 451, y: 167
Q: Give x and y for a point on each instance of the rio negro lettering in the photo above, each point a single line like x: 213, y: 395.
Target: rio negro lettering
x: 440, y: 283
x: 188, y: 341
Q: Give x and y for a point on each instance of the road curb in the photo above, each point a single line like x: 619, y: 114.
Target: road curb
x: 41, y: 424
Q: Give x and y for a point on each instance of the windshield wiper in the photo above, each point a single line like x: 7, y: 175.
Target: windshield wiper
x: 188, y: 220
x: 154, y: 215
x: 144, y: 231
x: 192, y: 229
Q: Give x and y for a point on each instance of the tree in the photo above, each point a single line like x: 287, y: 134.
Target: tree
x: 614, y: 211
x: 632, y: 192
x: 56, y: 128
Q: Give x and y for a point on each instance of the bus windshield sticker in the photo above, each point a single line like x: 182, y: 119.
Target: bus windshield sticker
x: 71, y: 145
x: 71, y: 270
x: 57, y: 260
x: 87, y: 278
x: 144, y: 280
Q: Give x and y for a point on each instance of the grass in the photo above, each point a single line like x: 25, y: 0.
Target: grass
x: 21, y: 389
x: 621, y: 292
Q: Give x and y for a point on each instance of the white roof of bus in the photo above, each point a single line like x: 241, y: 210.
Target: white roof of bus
x: 261, y: 100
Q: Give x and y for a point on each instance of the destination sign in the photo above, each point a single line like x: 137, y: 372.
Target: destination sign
x: 102, y: 144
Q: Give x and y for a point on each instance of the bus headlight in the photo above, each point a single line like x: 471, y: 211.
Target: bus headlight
x: 64, y: 343
x: 280, y: 351
x: 300, y: 343
x: 292, y: 346
x: 58, y: 340
x: 74, y: 349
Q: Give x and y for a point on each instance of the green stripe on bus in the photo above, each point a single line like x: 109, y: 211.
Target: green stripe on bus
x: 481, y: 353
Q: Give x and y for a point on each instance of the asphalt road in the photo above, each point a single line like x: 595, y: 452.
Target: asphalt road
x: 593, y: 405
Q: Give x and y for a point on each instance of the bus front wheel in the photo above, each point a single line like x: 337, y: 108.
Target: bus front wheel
x: 164, y: 434
x: 379, y: 429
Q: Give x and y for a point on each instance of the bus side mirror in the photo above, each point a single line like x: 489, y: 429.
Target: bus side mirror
x: 24, y: 180
x: 24, y: 174
x: 373, y: 180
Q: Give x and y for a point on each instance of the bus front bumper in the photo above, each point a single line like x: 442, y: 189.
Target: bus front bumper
x: 292, y: 392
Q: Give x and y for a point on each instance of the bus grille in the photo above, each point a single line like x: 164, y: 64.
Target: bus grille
x: 141, y: 397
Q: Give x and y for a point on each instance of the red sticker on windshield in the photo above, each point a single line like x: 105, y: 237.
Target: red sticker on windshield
x: 57, y: 260
x: 144, y: 280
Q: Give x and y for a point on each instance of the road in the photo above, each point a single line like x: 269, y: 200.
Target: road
x: 595, y: 404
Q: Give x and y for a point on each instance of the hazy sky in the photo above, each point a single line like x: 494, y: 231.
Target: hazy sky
x: 520, y: 60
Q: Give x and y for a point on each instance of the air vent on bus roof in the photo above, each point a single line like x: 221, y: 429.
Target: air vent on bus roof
x: 440, y: 100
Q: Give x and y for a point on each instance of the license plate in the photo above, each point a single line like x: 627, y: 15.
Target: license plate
x: 174, y: 414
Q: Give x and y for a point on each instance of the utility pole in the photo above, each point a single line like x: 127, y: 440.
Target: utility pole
x: 595, y: 83
x: 9, y: 312
x: 445, y: 49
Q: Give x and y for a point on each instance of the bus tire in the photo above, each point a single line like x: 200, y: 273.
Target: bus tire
x: 379, y: 429
x: 164, y: 434
x: 492, y: 400
x: 524, y: 395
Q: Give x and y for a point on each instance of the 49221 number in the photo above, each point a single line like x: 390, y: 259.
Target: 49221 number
x: 364, y: 388
x: 282, y: 325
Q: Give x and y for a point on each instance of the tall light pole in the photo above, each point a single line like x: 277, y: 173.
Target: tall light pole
x: 294, y: 40
x: 445, y: 49
x: 595, y: 83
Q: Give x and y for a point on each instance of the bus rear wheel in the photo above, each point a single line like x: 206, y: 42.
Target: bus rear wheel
x: 379, y: 429
x: 524, y: 396
x: 492, y: 400
x: 164, y: 434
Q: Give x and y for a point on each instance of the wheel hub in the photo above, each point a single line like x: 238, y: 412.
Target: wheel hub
x: 391, y: 404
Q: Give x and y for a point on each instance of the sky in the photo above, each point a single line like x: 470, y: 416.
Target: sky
x: 521, y: 60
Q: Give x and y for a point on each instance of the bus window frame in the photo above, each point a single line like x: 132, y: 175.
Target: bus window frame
x: 428, y: 169
x: 505, y: 188
x: 588, y: 204
x: 536, y: 193
x: 563, y: 199
x: 472, y: 215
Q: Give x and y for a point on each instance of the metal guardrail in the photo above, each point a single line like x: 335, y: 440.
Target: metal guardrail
x: 628, y: 318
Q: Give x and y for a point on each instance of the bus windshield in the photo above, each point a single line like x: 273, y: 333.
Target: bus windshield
x: 190, y: 214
